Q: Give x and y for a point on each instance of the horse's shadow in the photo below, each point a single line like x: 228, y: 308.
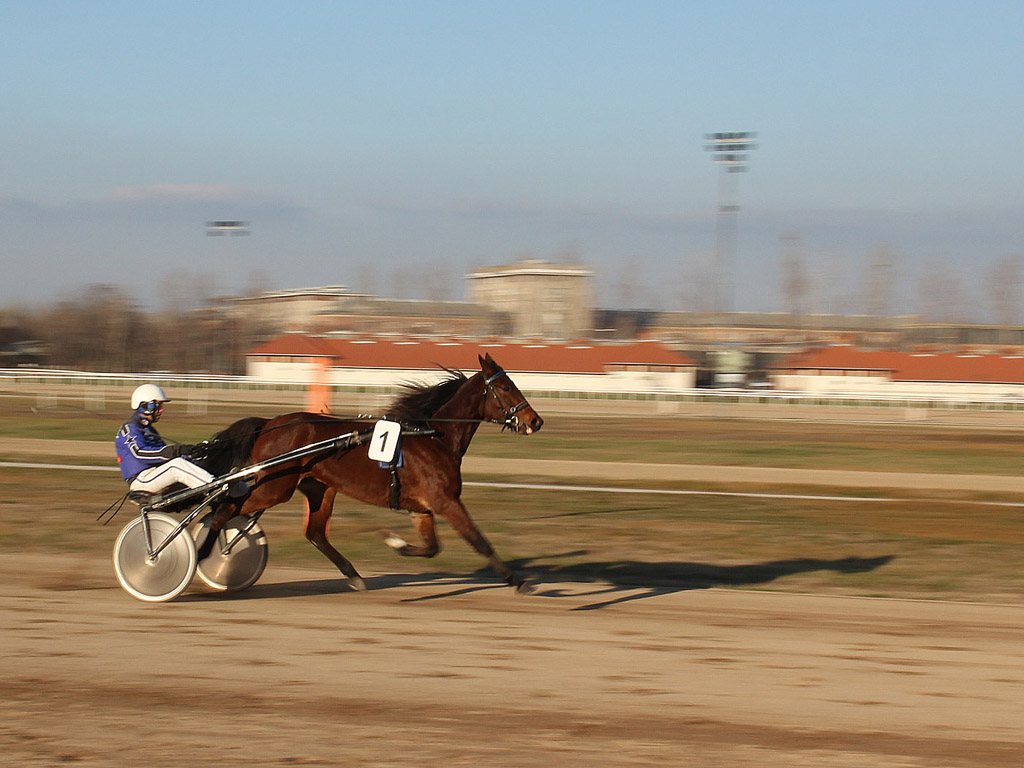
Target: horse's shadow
x: 630, y: 580
x: 618, y: 582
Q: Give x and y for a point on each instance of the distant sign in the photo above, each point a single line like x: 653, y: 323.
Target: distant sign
x: 216, y: 228
x: 731, y: 361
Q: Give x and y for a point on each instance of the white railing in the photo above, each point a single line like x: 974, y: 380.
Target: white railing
x: 16, y: 378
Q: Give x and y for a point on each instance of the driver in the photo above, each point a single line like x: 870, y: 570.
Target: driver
x: 147, y: 462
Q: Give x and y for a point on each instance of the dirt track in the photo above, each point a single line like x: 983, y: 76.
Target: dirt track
x: 642, y: 472
x: 298, y: 671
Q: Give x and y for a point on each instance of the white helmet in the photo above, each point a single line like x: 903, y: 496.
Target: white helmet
x: 148, y: 393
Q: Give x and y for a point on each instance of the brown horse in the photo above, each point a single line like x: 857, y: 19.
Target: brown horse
x: 429, y: 478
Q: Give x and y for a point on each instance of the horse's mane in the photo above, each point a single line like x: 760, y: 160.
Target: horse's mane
x: 418, y: 402
x: 232, y: 447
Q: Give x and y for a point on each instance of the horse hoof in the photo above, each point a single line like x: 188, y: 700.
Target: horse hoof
x: 521, y: 586
x: 357, y: 584
x: 395, y: 541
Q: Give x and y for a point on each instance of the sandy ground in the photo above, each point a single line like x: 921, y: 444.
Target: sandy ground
x: 456, y: 671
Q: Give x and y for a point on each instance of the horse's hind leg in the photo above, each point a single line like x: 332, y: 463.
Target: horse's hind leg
x: 319, y: 506
x: 423, y: 522
x: 269, y: 492
x: 224, y: 512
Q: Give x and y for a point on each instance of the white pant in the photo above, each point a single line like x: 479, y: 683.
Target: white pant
x: 179, y: 470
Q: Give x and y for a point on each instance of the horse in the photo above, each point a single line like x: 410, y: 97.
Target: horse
x: 428, y: 474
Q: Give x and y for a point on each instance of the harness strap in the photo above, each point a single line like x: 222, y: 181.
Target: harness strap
x: 394, y: 482
x: 394, y: 487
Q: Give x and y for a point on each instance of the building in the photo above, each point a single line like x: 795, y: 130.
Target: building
x: 387, y: 362
x: 773, y: 332
x: 335, y: 308
x: 411, y: 317
x: 299, y: 309
x: 716, y: 340
x: 964, y: 337
x: 541, y: 300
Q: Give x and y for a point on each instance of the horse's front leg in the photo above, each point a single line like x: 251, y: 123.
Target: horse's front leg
x: 319, y: 507
x: 423, y: 523
x: 454, y: 511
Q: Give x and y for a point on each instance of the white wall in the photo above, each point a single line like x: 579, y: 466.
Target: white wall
x: 883, y: 386
x: 824, y: 384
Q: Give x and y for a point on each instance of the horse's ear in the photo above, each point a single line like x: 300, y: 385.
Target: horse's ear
x: 486, y: 360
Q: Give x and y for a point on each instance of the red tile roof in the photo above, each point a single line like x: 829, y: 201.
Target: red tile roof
x: 913, y: 366
x: 428, y: 355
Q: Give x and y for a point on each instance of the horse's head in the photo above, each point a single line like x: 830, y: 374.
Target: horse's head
x: 503, y: 402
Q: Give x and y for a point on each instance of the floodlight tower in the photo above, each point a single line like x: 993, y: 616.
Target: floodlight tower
x: 218, y: 228
x: 227, y: 350
x: 729, y: 151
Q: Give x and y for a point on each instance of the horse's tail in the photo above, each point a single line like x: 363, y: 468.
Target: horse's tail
x: 231, y: 448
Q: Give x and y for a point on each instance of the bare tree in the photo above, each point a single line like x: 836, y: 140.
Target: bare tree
x: 942, y: 295
x: 627, y: 289
x: 697, y: 288
x: 839, y: 294
x: 1004, y: 282
x: 400, y: 282
x: 366, y: 278
x: 257, y: 283
x: 795, y: 282
x: 438, y: 281
x: 879, y: 282
x: 100, y: 330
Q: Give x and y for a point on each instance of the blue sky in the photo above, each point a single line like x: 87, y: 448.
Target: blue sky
x: 392, y: 146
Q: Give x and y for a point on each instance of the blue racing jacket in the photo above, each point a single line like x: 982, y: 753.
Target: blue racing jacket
x: 139, y: 447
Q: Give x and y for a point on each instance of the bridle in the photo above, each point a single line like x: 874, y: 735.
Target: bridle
x: 511, y: 420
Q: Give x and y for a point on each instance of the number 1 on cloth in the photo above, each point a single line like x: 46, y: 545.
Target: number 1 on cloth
x: 384, y: 442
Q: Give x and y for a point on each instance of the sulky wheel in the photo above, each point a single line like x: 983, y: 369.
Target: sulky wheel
x: 154, y: 579
x: 239, y: 555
